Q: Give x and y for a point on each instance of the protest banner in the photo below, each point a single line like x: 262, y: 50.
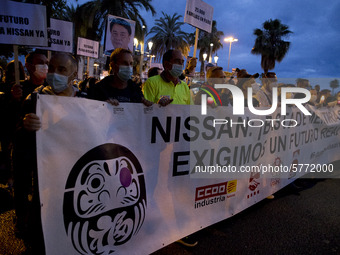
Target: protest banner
x: 60, y: 36
x: 131, y: 179
x: 23, y: 24
x: 119, y: 33
x: 87, y: 48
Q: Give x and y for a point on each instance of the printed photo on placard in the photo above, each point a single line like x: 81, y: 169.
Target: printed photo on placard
x: 119, y: 34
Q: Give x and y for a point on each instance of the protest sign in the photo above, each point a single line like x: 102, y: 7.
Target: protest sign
x: 119, y: 33
x: 23, y: 24
x: 60, y: 36
x: 88, y: 48
x: 199, y: 14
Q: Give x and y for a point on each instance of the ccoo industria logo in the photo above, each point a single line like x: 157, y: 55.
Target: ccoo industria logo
x: 105, y: 199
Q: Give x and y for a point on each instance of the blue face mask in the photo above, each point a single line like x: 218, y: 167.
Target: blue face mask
x: 57, y: 82
x: 176, y: 70
x: 125, y: 72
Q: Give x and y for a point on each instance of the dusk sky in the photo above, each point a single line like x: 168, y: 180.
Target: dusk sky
x: 315, y: 47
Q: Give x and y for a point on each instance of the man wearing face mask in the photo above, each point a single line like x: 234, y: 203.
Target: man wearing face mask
x: 36, y: 64
x: 118, y: 87
x: 167, y: 88
x: 264, y: 95
x: 61, y: 72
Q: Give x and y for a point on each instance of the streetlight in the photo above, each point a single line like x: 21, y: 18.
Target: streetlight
x: 210, y: 57
x: 205, y: 55
x: 216, y: 58
x: 135, y: 43
x: 230, y: 39
x: 150, y: 46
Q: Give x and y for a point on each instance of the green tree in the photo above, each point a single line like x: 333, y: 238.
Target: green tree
x: 167, y: 34
x: 54, y: 8
x: 334, y: 84
x: 269, y: 43
x: 204, y: 41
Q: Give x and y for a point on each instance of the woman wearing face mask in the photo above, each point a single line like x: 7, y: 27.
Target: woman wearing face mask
x: 118, y: 87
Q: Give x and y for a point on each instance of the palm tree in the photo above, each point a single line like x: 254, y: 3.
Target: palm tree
x: 334, y: 84
x: 168, y: 35
x: 204, y: 41
x: 122, y: 8
x: 269, y: 43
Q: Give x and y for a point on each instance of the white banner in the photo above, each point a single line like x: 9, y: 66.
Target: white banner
x: 87, y: 48
x: 60, y: 36
x: 123, y: 179
x: 199, y: 14
x: 23, y: 24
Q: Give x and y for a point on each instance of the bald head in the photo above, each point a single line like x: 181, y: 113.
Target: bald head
x: 64, y: 64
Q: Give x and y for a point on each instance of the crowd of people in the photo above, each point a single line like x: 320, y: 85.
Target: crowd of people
x: 171, y: 85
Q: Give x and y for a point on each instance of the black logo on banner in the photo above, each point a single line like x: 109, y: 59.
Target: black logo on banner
x: 105, y: 199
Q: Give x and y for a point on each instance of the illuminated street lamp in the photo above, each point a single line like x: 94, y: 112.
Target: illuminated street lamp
x: 150, y: 46
x: 210, y: 57
x: 135, y: 43
x: 216, y: 58
x: 230, y: 40
x: 205, y: 55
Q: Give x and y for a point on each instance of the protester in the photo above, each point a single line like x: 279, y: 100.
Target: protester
x: 62, y: 70
x: 153, y: 71
x: 119, y: 87
x: 313, y: 97
x: 324, y: 95
x: 86, y: 85
x: 264, y: 95
x: 9, y: 114
x: 167, y: 88
x: 215, y: 97
x: 244, y: 81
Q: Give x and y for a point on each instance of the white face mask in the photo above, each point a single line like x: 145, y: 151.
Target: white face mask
x: 57, y: 82
x: 41, y: 71
x: 176, y: 70
x: 125, y: 72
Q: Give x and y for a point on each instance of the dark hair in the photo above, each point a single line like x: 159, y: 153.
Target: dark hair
x: 10, y: 73
x: 153, y: 71
x: 29, y: 58
x: 167, y: 56
x: 121, y: 22
x: 117, y: 52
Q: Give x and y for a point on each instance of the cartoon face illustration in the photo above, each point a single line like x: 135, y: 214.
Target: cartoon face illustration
x: 105, y: 199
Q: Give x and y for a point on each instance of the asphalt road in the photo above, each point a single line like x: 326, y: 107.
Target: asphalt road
x: 297, y: 221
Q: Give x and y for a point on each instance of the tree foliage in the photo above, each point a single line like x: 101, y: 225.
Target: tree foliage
x: 269, y: 43
x: 167, y: 34
x: 334, y: 84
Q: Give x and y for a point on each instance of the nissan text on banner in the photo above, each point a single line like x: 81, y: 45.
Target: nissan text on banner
x: 88, y: 48
x: 60, y: 36
x: 23, y: 24
x: 199, y: 14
